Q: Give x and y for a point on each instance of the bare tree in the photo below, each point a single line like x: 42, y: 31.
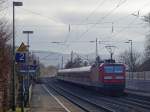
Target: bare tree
x: 69, y: 64
x: 147, y: 47
x: 147, y: 43
x: 5, y: 59
x: 125, y: 57
x: 77, y: 62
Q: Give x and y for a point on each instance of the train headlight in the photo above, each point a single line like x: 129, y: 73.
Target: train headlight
x: 120, y: 77
x: 108, y: 77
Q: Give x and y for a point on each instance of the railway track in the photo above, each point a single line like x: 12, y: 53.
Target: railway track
x: 139, y: 97
x: 99, y: 102
x: 83, y: 103
x: 115, y: 105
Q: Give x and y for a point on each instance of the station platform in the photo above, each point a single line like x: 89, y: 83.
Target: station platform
x: 44, y: 101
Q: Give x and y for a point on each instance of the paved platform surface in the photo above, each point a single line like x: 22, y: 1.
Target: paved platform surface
x: 42, y: 101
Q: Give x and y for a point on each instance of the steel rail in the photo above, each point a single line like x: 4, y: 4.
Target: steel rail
x: 60, y: 91
x: 124, y: 103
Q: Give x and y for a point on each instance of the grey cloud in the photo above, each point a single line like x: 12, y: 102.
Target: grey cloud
x: 74, y: 12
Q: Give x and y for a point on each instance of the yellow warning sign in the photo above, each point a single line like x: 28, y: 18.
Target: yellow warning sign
x: 22, y: 48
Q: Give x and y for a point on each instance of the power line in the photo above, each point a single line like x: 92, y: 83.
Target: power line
x: 41, y: 15
x: 106, y: 15
x: 120, y: 3
x: 92, y: 12
x: 138, y: 10
x: 123, y: 29
x: 132, y: 22
x: 94, y: 24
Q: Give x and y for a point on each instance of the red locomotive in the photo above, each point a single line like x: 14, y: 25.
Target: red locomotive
x: 107, y: 77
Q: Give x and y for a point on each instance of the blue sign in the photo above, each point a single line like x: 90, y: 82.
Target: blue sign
x: 21, y: 57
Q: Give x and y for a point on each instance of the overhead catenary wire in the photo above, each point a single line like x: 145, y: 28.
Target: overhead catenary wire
x: 90, y: 14
x: 51, y: 18
x: 133, y: 12
x: 115, y: 20
x: 122, y: 29
x: 43, y: 16
x: 54, y: 19
x: 130, y: 23
x: 100, y: 3
x: 106, y: 15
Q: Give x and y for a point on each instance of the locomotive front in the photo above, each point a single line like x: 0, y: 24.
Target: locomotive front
x: 113, y: 77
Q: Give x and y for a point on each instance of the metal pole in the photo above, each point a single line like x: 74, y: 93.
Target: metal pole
x: 13, y: 63
x: 96, y: 48
x: 71, y: 56
x: 28, y: 67
x: 28, y: 41
x: 22, y: 94
x: 111, y: 56
x: 131, y: 59
x: 13, y: 75
x: 38, y: 68
x: 62, y: 62
x: 28, y: 62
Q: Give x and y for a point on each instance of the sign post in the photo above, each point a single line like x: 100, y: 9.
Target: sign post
x: 21, y: 60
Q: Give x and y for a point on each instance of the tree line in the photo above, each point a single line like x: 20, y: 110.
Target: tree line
x: 5, y: 58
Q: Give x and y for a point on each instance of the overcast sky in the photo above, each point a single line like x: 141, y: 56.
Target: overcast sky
x: 88, y: 19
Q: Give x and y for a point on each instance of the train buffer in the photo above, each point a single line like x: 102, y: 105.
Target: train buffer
x: 44, y: 101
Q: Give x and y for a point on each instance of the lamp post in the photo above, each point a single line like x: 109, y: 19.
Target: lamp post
x: 13, y: 68
x: 131, y: 55
x: 28, y: 33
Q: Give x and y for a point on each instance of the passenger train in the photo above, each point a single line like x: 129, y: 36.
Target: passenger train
x: 106, y: 77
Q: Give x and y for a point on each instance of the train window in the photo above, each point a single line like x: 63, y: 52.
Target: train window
x: 108, y: 69
x: 118, y: 69
x: 113, y: 69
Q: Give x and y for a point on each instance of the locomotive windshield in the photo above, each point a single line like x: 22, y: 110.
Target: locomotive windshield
x: 113, y: 69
